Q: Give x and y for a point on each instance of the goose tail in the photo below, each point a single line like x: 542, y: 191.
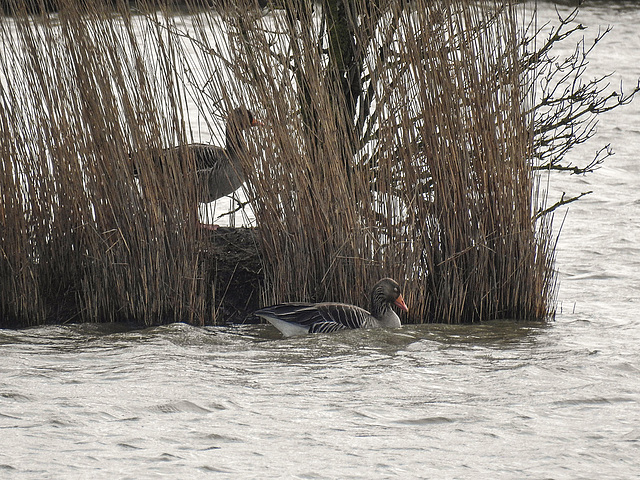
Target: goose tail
x: 288, y: 329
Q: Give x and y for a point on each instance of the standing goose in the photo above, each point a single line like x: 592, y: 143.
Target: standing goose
x: 302, y: 318
x: 218, y: 170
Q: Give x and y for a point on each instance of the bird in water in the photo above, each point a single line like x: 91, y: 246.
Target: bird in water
x: 302, y: 318
x: 218, y: 169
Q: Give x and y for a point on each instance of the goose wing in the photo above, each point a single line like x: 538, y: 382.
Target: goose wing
x: 208, y: 156
x: 346, y: 316
x: 318, y: 317
x: 301, y: 313
x: 205, y: 157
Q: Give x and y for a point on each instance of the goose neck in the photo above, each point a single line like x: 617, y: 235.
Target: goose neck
x: 234, y: 143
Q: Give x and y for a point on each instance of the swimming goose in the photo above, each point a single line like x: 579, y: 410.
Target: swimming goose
x: 302, y: 318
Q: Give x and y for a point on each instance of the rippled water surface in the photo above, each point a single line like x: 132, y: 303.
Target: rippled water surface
x: 429, y: 401
x: 492, y: 401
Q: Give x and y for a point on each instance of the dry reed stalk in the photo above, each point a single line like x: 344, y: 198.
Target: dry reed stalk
x: 426, y: 177
x: 420, y: 171
x: 83, y: 94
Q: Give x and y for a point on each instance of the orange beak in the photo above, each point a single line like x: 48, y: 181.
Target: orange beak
x: 400, y: 303
x: 256, y: 123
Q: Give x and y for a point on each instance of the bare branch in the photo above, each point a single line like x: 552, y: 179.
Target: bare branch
x: 563, y: 201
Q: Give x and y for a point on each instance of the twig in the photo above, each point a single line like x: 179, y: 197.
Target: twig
x: 559, y: 203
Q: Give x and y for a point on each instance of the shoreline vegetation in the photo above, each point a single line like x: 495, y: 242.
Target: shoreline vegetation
x: 400, y: 139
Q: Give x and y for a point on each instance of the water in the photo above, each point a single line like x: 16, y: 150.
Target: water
x: 492, y: 401
x: 426, y: 401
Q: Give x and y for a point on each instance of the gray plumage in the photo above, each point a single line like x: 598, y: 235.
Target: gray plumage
x: 218, y: 170
x: 301, y: 318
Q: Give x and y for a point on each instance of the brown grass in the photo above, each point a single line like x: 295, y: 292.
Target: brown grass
x: 80, y: 92
x: 430, y: 184
x: 427, y: 182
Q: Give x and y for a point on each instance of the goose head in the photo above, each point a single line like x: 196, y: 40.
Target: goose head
x: 385, y: 293
x: 242, y: 118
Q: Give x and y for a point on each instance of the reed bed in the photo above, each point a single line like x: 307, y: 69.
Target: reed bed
x: 397, y: 146
x: 84, y: 94
x: 394, y: 144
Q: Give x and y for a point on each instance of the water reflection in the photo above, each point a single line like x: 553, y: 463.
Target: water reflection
x: 99, y: 337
